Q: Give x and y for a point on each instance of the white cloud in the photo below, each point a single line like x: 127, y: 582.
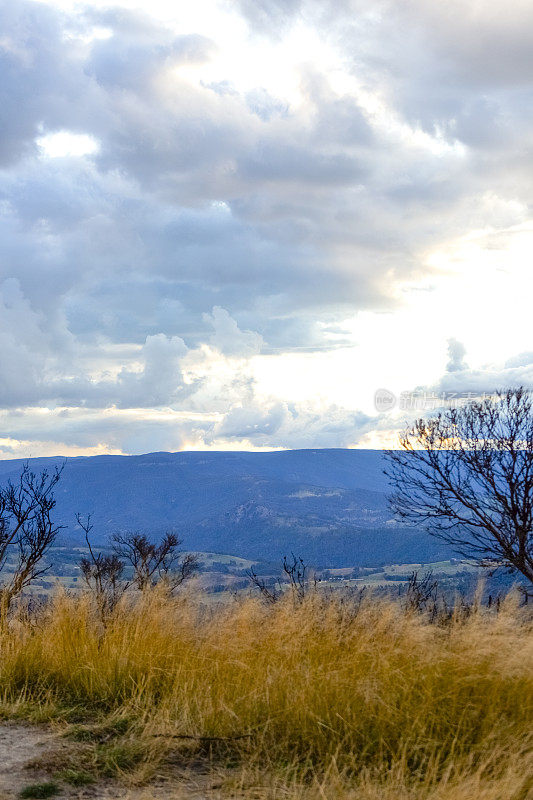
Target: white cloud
x: 228, y: 338
x: 488, y: 380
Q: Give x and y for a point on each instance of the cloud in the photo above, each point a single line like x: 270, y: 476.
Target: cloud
x: 459, y: 384
x: 35, y: 369
x: 21, y: 345
x: 132, y: 58
x: 292, y: 425
x: 29, y: 433
x: 194, y: 189
x: 228, y: 338
x: 258, y: 425
x: 212, y: 212
x: 270, y: 15
x: 462, y: 380
x: 160, y: 382
x: 487, y: 381
x: 456, y: 354
x: 521, y: 360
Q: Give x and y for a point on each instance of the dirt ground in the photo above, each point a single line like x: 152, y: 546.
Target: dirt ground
x: 22, y: 745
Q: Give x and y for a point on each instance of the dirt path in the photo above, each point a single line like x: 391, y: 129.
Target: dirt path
x: 21, y: 745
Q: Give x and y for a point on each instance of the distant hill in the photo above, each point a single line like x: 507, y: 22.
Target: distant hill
x: 329, y: 506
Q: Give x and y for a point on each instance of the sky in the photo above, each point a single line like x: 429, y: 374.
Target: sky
x: 236, y: 224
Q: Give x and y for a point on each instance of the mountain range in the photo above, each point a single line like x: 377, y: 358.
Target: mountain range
x: 328, y: 506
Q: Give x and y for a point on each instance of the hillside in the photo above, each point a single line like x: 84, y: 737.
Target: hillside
x: 329, y: 506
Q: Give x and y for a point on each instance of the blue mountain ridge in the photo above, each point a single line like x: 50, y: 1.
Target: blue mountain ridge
x: 328, y: 506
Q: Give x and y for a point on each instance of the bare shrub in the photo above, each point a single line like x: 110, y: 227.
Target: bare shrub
x: 152, y: 563
x: 27, y: 530
x: 296, y: 574
x: 422, y: 593
x: 135, y: 562
x: 102, y: 573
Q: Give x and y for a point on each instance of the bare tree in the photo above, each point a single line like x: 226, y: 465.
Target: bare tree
x: 467, y: 473
x: 103, y: 573
x: 422, y: 593
x: 296, y: 575
x: 152, y: 563
x: 27, y: 530
x: 267, y: 589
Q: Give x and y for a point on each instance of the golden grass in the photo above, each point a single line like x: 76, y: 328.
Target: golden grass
x: 311, y: 700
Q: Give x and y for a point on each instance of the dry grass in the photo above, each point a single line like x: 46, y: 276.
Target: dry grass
x: 312, y: 700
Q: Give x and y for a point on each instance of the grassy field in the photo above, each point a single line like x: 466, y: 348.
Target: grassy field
x: 328, y: 698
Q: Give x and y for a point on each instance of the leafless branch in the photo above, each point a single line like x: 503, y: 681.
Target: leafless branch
x: 467, y: 474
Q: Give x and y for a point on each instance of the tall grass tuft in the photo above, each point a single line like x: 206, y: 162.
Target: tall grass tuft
x: 335, y: 699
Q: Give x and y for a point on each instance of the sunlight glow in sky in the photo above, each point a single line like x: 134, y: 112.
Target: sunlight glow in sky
x: 64, y: 144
